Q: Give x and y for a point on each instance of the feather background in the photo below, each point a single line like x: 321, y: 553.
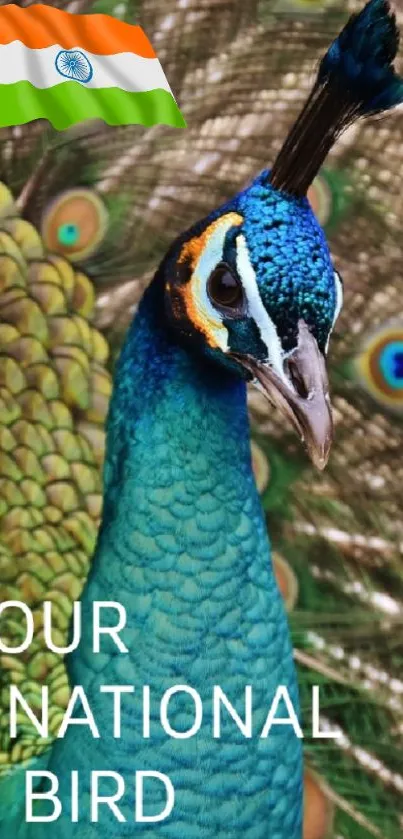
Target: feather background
x: 240, y: 72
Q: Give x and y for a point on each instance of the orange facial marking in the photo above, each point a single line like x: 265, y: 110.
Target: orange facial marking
x: 189, y: 292
x: 192, y: 249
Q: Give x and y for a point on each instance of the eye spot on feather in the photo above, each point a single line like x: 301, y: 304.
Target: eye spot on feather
x: 286, y: 579
x: 319, y: 810
x: 321, y: 199
x: 260, y: 466
x: 330, y: 196
x: 75, y: 223
x: 379, y: 366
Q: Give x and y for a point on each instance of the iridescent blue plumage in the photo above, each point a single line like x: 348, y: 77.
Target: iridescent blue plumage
x: 391, y: 364
x: 290, y: 255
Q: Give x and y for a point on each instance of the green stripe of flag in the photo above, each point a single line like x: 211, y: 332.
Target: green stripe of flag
x: 70, y: 102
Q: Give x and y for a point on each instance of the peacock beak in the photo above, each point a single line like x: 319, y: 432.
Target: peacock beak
x: 301, y: 393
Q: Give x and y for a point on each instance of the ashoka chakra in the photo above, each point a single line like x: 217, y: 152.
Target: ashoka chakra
x: 73, y: 64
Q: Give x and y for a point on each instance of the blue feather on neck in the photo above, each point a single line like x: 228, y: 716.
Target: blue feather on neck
x: 184, y: 548
x: 155, y: 376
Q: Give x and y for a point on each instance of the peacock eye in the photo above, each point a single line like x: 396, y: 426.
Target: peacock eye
x: 225, y: 289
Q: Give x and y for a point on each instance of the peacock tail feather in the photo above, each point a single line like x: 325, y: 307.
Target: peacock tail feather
x: 55, y: 390
x: 240, y: 72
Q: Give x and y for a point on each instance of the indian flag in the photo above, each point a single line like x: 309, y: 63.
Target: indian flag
x: 68, y: 68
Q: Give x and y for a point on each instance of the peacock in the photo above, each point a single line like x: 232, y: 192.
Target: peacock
x: 179, y: 409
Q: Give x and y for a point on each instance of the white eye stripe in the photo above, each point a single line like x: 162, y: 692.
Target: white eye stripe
x: 256, y: 309
x: 339, y: 296
x: 339, y: 303
x: 208, y: 260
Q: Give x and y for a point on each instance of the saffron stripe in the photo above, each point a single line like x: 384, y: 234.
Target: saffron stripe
x: 125, y: 70
x: 71, y: 102
x: 40, y: 26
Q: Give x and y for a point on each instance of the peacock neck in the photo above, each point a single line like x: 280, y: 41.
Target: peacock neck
x: 183, y: 547
x: 178, y: 450
x: 183, y: 535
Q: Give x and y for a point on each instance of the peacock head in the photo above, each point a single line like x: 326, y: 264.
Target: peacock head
x: 254, y: 288
x: 253, y: 285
